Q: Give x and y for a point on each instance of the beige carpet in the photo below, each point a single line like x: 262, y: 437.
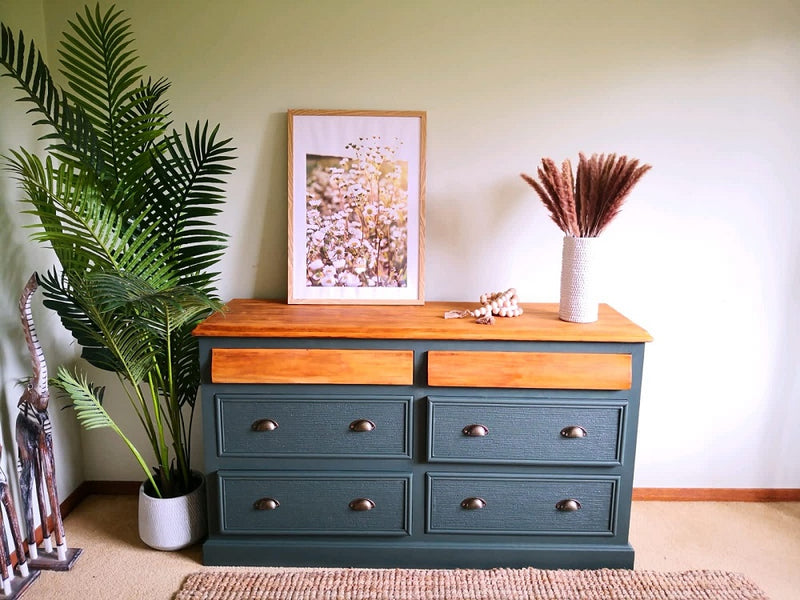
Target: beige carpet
x: 759, y: 540
x: 494, y: 584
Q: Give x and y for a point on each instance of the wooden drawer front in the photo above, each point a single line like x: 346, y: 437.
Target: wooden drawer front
x: 521, y: 431
x: 549, y: 370
x: 273, y: 426
x: 520, y: 505
x: 293, y: 365
x: 315, y: 504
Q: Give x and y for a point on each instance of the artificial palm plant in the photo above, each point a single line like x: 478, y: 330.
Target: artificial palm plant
x: 126, y: 202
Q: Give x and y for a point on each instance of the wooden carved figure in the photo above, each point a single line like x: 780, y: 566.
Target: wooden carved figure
x: 6, y: 570
x: 35, y: 441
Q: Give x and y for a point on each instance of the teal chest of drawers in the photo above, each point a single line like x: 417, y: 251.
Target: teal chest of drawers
x: 376, y: 436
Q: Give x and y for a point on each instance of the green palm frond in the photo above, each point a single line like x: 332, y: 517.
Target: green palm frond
x: 131, y: 344
x: 70, y: 131
x: 83, y: 228
x: 153, y: 102
x: 110, y: 340
x: 186, y: 371
x: 129, y: 341
x: 99, y: 62
x: 161, y: 309
x: 60, y: 297
x: 87, y: 400
x: 74, y: 221
x: 153, y: 112
x: 188, y: 179
x: 104, y: 78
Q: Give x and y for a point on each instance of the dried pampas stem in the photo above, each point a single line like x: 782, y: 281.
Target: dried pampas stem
x: 585, y: 205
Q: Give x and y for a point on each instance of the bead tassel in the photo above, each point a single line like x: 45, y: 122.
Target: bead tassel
x: 501, y: 304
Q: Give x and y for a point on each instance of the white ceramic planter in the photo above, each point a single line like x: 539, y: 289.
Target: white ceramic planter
x: 578, y: 302
x: 173, y: 523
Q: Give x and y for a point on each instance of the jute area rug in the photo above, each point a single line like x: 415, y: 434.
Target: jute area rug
x: 464, y: 584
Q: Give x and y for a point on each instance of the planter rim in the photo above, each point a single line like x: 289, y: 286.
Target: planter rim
x: 198, y: 478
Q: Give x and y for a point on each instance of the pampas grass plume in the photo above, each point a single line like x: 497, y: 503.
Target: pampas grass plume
x: 583, y: 206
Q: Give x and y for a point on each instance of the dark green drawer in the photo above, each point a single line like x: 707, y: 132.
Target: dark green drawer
x: 333, y: 426
x: 525, y: 431
x: 306, y: 503
x: 521, y: 505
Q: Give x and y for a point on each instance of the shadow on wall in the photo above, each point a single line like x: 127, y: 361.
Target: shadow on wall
x: 269, y: 196
x: 13, y: 276
x: 784, y: 385
x: 21, y: 257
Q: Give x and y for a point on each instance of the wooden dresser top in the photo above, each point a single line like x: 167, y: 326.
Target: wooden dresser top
x: 540, y: 322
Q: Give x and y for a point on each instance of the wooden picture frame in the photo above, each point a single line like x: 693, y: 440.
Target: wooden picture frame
x: 356, y: 206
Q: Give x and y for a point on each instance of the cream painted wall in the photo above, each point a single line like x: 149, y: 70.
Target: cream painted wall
x: 705, y: 254
x: 20, y: 258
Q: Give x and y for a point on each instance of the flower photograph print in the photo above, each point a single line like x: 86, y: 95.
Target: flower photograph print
x: 356, y: 206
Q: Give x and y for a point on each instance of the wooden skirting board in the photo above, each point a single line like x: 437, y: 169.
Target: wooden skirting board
x: 717, y: 494
x: 639, y: 494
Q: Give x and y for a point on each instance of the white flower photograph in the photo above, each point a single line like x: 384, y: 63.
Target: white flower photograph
x: 356, y: 181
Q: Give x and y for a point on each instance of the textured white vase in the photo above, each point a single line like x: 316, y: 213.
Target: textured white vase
x: 578, y: 302
x: 173, y: 523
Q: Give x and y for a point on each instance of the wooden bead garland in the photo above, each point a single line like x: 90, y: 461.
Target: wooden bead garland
x: 501, y: 304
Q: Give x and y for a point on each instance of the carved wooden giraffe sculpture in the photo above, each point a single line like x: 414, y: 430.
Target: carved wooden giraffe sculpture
x: 35, y: 441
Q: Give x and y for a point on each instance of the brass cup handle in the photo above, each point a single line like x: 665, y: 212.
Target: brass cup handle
x: 266, y: 504
x: 361, y: 504
x: 360, y: 425
x: 264, y: 425
x: 473, y: 503
x: 568, y: 505
x: 573, y: 431
x: 475, y: 430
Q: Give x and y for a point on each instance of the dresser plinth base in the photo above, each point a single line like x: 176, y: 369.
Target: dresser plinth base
x: 285, y: 553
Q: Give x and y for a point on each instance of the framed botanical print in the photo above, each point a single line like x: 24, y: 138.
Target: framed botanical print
x: 356, y: 206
